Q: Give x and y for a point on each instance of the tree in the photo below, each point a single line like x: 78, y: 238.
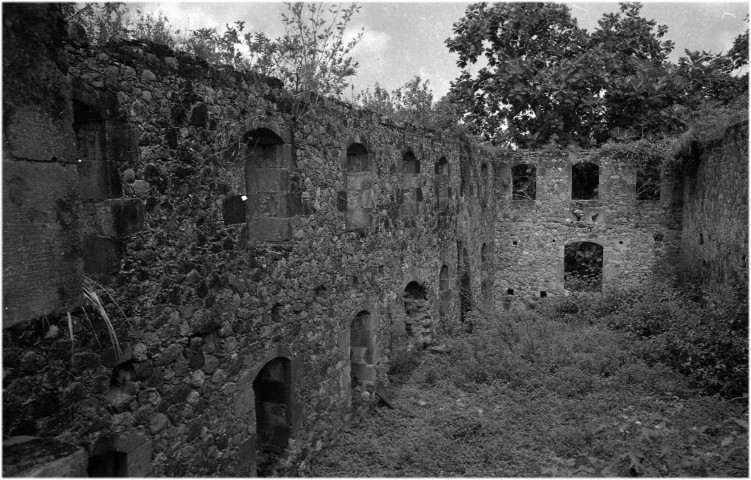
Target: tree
x: 313, y: 54
x: 546, y: 79
x: 534, y: 84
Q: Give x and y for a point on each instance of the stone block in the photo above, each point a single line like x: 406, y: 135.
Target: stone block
x: 120, y: 217
x: 268, y: 180
x: 139, y: 460
x: 358, y: 218
x: 33, y: 134
x: 287, y: 156
x: 98, y: 180
x: 102, y: 255
x: 367, y: 199
x: 234, y: 210
x: 269, y: 229
x: 122, y: 144
x: 42, y: 261
x: 358, y: 181
x: 341, y: 201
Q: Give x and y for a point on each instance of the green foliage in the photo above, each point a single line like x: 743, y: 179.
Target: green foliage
x: 551, y: 392
x: 707, y: 342
x: 311, y: 57
x: 313, y: 54
x: 103, y: 22
x: 222, y: 49
x: 546, y: 78
x: 413, y: 103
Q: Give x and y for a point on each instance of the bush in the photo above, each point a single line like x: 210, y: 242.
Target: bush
x: 707, y: 342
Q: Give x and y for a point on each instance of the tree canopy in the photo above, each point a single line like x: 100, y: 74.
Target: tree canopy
x: 542, y: 78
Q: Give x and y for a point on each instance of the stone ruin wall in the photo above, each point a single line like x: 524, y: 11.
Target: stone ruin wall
x: 639, y: 237
x: 714, y: 240
x: 216, y: 289
x: 312, y: 264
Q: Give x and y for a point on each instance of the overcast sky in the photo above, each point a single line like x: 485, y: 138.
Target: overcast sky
x: 406, y: 39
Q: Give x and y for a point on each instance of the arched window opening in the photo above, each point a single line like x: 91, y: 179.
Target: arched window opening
x: 362, y: 371
x: 585, y: 180
x: 648, y: 182
x: 358, y: 184
x: 486, y: 280
x: 444, y: 292
x: 417, y: 319
x: 269, y: 201
x: 442, y: 182
x: 524, y: 182
x: 272, y: 388
x: 583, y: 267
x: 411, y: 191
x: 465, y: 284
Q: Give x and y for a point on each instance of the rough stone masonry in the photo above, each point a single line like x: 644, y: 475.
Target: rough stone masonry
x: 265, y: 256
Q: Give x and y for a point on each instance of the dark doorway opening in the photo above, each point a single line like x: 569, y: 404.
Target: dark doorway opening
x: 272, y: 389
x: 583, y: 267
x: 108, y: 464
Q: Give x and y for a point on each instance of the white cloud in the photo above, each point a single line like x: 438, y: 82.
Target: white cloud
x: 372, y: 42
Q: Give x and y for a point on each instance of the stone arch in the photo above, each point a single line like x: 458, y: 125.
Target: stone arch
x: 273, y: 393
x: 411, y: 192
x: 270, y: 204
x: 361, y: 356
x: 582, y: 266
x: 418, y: 324
x: 442, y: 185
x: 585, y: 181
x: 359, y: 197
x: 246, y: 408
x: 524, y: 182
x: 444, y: 292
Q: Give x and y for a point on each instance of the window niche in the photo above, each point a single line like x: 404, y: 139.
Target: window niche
x: 442, y: 182
x: 585, y: 179
x: 524, y: 182
x: 648, y: 182
x: 582, y: 270
x: 358, y: 184
x: 270, y: 204
x: 411, y: 191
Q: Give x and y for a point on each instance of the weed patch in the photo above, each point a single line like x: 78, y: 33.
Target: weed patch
x: 566, y: 390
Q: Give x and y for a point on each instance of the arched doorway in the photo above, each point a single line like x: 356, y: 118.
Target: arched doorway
x: 272, y: 389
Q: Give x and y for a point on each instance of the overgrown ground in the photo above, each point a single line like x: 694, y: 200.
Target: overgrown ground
x: 544, y: 393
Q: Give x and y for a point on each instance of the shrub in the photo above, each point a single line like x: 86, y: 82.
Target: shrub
x: 707, y: 342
